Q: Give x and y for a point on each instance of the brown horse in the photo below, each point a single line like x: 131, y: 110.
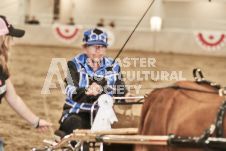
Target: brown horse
x: 178, y: 111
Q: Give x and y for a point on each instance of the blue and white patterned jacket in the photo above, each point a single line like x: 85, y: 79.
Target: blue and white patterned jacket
x: 81, y: 75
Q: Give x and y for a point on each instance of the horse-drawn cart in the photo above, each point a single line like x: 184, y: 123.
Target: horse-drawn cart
x: 128, y: 136
x: 202, y: 105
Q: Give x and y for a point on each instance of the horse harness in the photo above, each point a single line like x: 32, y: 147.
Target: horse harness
x: 218, y: 125
x: 219, y: 121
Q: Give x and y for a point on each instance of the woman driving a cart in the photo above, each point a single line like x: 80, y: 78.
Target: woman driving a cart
x: 89, y: 75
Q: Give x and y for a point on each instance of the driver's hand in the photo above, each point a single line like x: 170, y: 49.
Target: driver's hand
x: 94, y: 89
x: 129, y: 95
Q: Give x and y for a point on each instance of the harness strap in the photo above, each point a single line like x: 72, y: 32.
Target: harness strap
x: 219, y: 122
x: 221, y: 91
x: 189, y: 89
x: 201, y: 79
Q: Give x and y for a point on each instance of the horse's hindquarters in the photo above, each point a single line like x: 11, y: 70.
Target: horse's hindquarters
x: 178, y: 111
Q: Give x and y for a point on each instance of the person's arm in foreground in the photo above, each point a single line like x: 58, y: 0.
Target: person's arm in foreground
x: 21, y: 108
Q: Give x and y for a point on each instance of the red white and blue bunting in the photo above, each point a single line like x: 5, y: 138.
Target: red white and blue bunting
x: 66, y: 33
x: 210, y: 40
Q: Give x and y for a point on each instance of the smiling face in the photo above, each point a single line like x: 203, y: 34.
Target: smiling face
x: 95, y: 53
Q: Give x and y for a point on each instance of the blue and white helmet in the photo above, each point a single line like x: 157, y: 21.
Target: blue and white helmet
x: 95, y: 36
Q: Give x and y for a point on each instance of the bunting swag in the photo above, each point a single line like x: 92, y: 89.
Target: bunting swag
x: 210, y: 40
x: 66, y: 33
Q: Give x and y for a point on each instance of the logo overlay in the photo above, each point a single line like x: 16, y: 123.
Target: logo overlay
x: 145, y: 73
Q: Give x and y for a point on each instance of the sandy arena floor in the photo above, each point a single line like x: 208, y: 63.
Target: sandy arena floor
x: 29, y: 66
